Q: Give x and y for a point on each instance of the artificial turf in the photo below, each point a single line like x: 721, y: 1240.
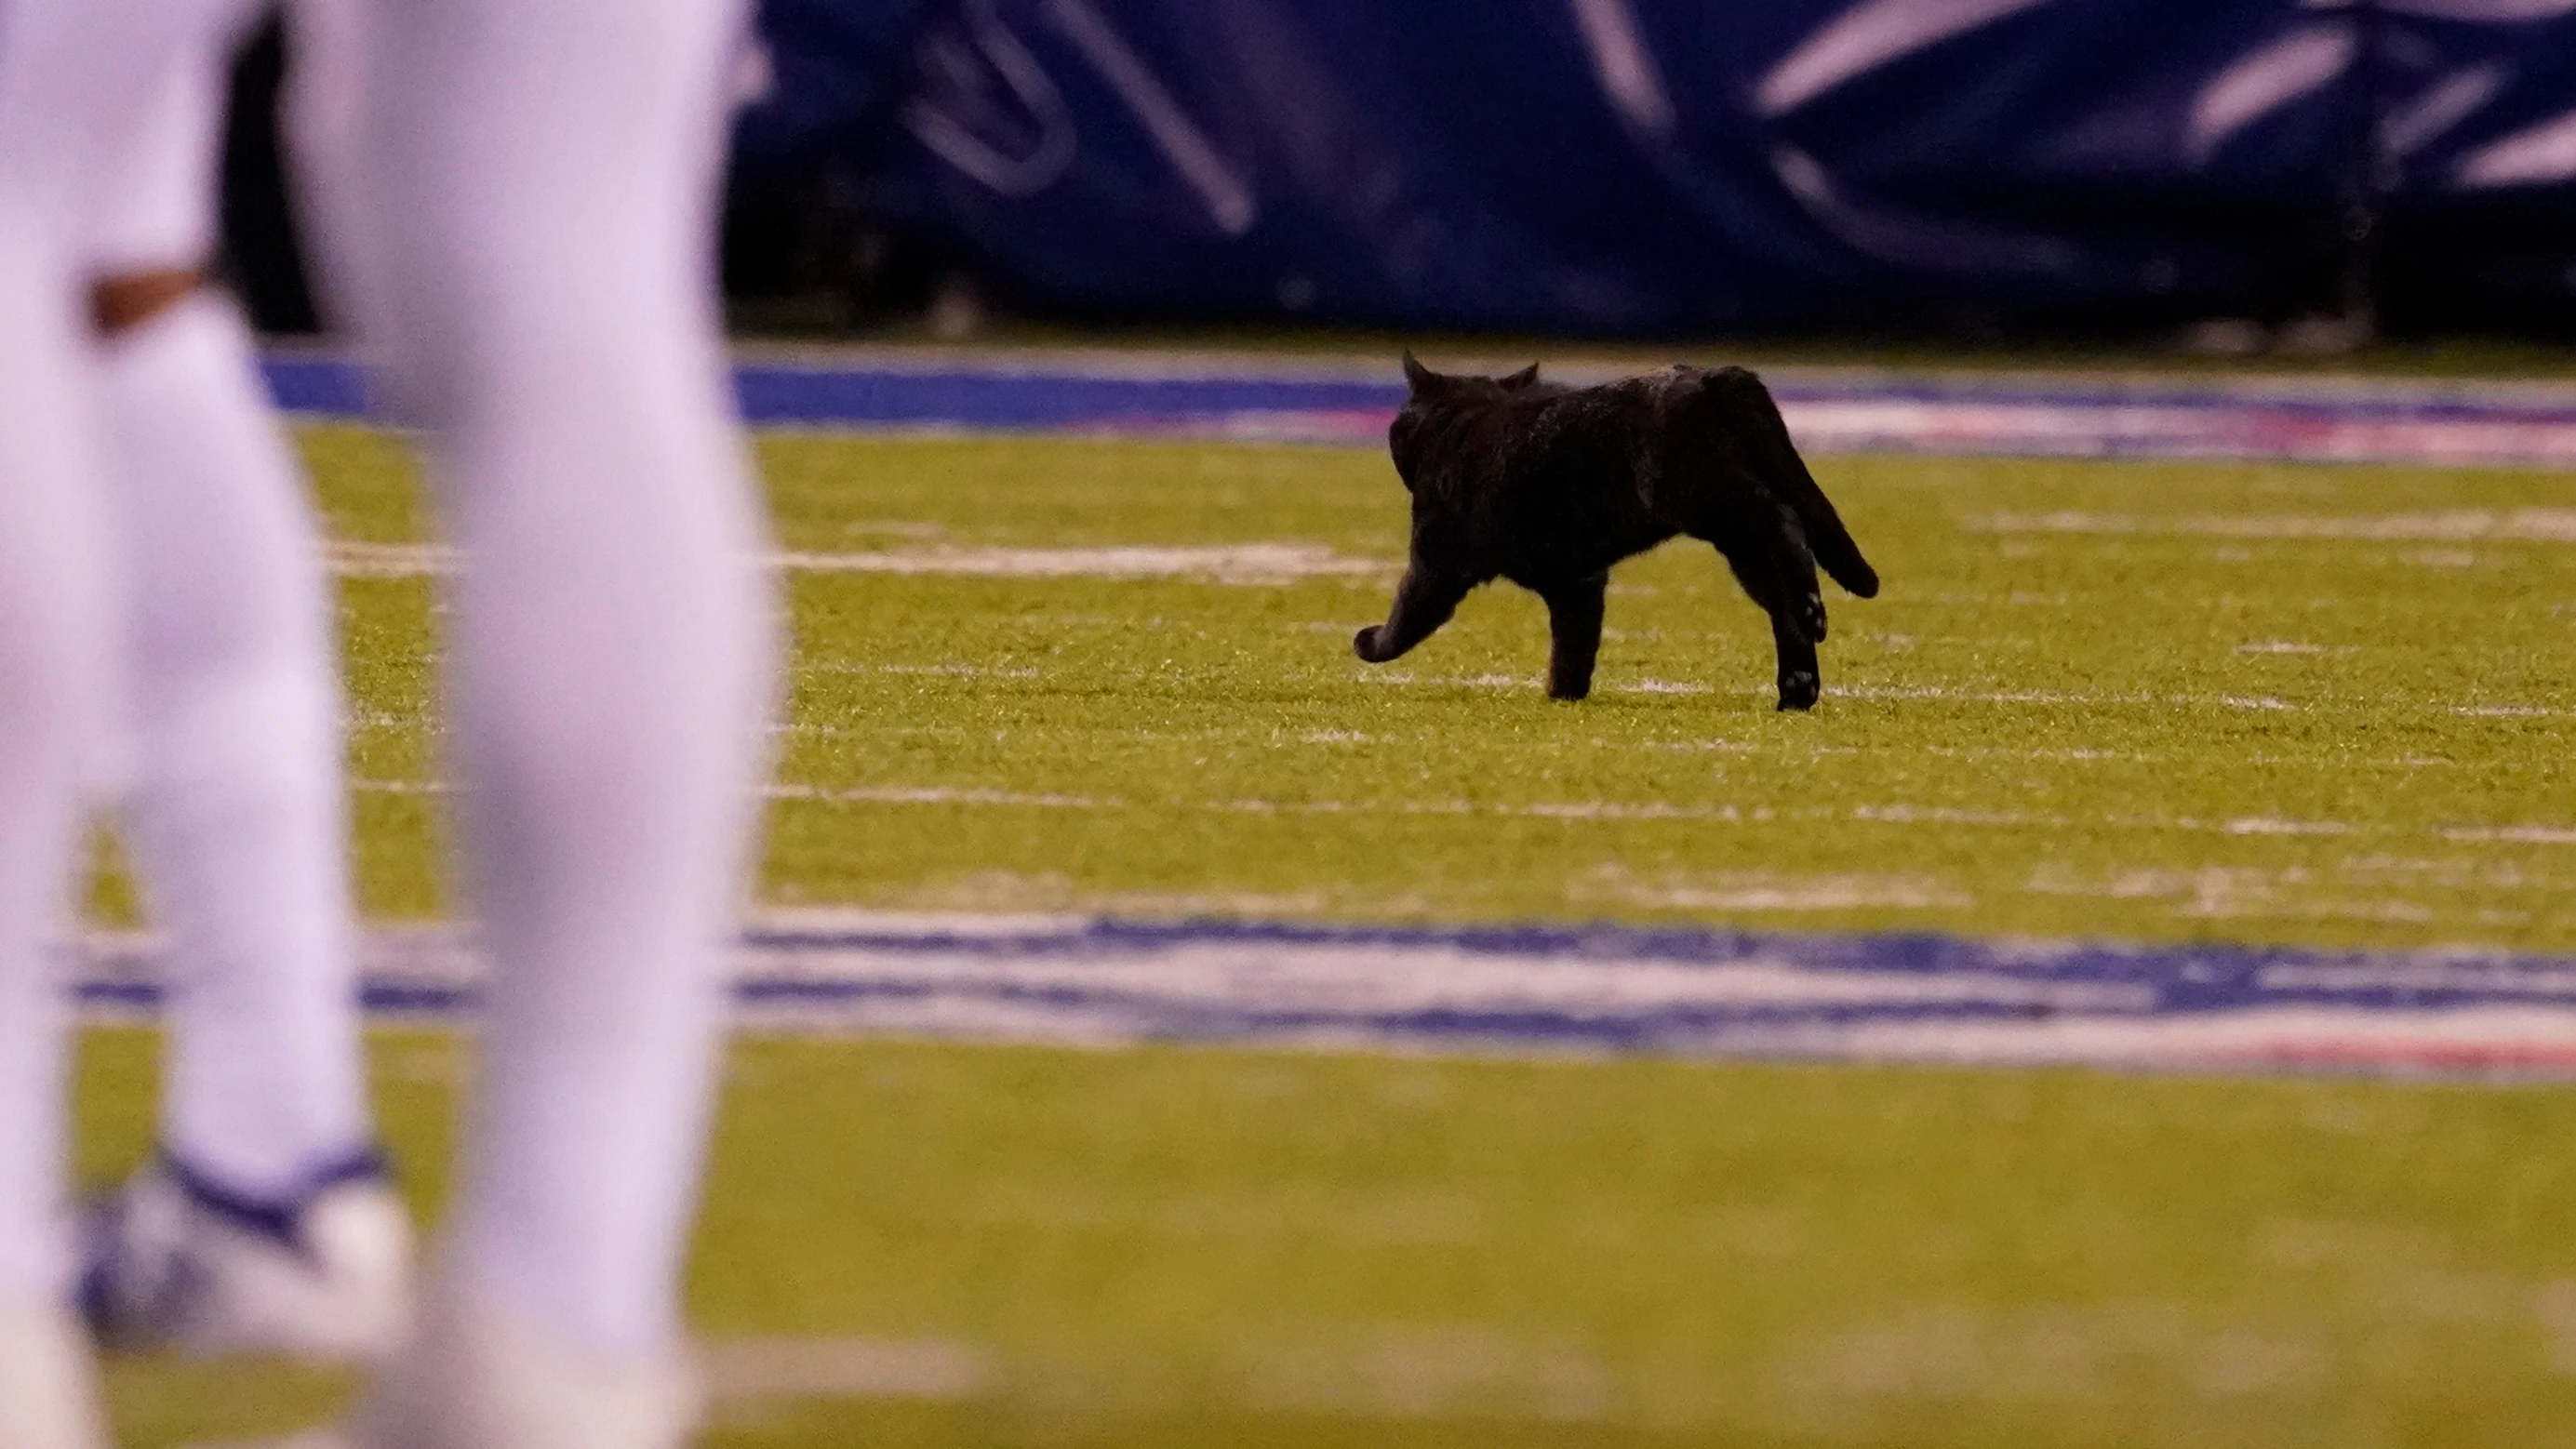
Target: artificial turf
x: 2095, y: 700
x: 2135, y: 700
x: 1178, y: 1247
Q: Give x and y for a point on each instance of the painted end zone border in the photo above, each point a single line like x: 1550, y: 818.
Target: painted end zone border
x: 1589, y: 991
x: 2316, y: 420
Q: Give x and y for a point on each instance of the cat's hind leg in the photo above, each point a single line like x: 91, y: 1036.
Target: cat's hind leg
x: 1574, y: 633
x: 1753, y: 419
x: 1776, y: 569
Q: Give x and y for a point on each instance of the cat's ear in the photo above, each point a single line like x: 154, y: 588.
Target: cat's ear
x: 1520, y: 379
x: 1418, y: 377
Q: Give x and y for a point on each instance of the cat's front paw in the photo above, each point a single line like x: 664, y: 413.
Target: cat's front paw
x: 1364, y: 644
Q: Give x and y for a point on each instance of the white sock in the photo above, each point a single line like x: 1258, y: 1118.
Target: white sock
x: 530, y: 214
x: 237, y: 813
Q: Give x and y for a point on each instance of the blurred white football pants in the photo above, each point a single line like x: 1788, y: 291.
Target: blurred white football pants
x: 56, y: 610
x: 516, y: 200
x: 516, y: 204
x: 221, y: 668
x: 237, y: 807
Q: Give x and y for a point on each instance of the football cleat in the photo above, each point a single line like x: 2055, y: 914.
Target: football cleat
x: 478, y: 1374
x: 173, y: 1261
x: 48, y: 1386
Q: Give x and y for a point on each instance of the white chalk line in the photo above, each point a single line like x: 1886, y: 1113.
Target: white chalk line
x: 1284, y: 562
x: 1895, y: 813
x: 2292, y: 646
x: 2514, y: 1041
x: 940, y: 795
x: 1948, y: 693
x: 1266, y: 563
x: 2513, y: 834
x: 1944, y: 693
x: 744, y: 1375
x: 2457, y: 525
x: 2148, y: 426
x: 749, y: 1371
x: 1770, y: 893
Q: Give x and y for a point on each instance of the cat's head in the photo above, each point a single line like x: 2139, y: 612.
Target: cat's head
x: 1428, y: 394
x: 1424, y: 385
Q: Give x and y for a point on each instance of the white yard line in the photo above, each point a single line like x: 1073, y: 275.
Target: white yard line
x: 2264, y: 825
x: 2513, y: 834
x: 1450, y: 681
x: 1891, y: 813
x: 2505, y: 1039
x: 354, y: 559
x: 748, y: 1377
x: 939, y: 795
x: 1767, y: 892
x: 1245, y: 563
x: 2457, y: 525
x: 748, y: 1371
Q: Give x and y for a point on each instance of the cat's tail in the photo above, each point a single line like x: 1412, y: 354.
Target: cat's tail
x: 1755, y: 419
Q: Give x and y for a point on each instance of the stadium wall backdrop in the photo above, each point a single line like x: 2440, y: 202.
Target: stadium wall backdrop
x: 1631, y: 167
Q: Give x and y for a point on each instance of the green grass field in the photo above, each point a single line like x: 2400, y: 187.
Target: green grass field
x: 2075, y: 710
x: 2125, y: 700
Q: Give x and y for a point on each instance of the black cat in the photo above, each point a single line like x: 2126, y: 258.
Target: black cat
x: 1548, y: 486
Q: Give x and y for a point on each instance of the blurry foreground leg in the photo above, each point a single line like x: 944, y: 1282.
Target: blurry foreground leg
x: 50, y: 643
x: 268, y: 1225
x: 525, y: 218
x: 238, y: 803
x: 46, y: 1379
x: 53, y: 642
x: 238, y: 807
x: 482, y: 1374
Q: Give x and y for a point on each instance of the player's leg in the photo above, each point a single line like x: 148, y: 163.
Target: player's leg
x: 530, y: 198
x: 47, y: 1380
x: 48, y: 637
x: 235, y: 823
x: 237, y: 808
x: 54, y: 633
x: 52, y: 640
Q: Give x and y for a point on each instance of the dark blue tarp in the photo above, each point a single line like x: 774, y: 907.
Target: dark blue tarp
x: 2477, y: 100
x: 834, y: 76
x: 1644, y: 166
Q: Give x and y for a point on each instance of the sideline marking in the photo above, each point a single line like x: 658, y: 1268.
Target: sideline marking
x: 1581, y: 990
x: 1829, y: 411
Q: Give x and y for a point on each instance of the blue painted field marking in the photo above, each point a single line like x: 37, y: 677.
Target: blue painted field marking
x: 2076, y: 417
x: 1031, y: 401
x: 1598, y: 989
x: 316, y: 386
